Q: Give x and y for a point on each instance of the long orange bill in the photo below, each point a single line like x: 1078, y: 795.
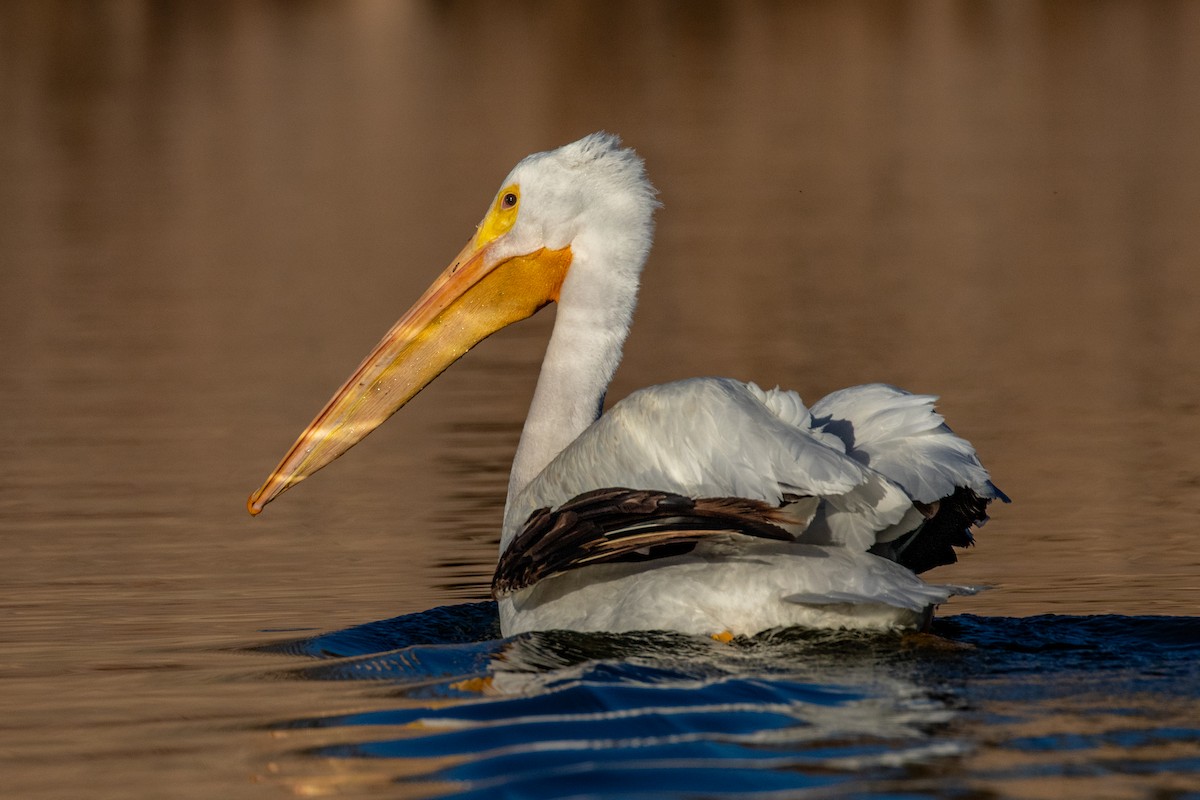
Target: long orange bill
x: 476, y: 296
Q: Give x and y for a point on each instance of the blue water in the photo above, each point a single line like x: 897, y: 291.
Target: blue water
x: 1098, y: 706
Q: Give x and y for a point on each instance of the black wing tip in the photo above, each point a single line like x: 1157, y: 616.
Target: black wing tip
x: 949, y: 526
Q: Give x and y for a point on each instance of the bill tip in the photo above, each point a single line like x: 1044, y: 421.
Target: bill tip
x: 254, y: 505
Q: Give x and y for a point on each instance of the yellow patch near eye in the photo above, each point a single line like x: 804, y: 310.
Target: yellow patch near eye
x: 501, y: 217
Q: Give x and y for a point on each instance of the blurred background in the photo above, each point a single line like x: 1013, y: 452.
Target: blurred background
x: 209, y: 212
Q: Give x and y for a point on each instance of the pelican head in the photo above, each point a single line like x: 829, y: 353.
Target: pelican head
x: 571, y: 225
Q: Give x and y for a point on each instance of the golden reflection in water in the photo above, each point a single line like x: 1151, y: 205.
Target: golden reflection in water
x: 1073, y: 767
x: 210, y: 211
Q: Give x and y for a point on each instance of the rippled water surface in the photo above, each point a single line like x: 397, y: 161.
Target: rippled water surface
x: 208, y: 212
x: 1099, y: 706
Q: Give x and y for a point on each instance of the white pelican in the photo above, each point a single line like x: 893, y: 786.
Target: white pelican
x: 705, y: 506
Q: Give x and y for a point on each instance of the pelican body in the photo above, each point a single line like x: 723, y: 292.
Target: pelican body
x: 705, y: 506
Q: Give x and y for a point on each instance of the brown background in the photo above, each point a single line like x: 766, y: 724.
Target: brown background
x: 209, y: 212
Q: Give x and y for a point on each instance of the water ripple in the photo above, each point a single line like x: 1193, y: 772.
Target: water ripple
x: 982, y: 706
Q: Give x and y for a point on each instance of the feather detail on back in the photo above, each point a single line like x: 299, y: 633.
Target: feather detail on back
x: 703, y: 437
x: 900, y: 435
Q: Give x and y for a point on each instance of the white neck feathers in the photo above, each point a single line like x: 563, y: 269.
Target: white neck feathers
x: 590, y: 329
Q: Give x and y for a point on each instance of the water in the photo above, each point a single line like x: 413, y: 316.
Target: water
x: 209, y: 213
x: 1099, y: 706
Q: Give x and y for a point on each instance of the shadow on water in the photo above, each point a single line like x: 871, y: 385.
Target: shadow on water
x: 977, y: 707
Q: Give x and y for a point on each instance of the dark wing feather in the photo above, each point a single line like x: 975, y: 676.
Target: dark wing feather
x: 608, y: 525
x: 947, y: 525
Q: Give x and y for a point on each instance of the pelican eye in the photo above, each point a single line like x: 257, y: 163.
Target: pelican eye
x: 502, y: 215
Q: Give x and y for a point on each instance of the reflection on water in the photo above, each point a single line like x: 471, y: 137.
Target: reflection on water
x: 1105, y: 705
x: 208, y: 212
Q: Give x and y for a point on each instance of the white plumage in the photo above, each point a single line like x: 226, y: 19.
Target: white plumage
x: 715, y: 437
x: 828, y: 504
